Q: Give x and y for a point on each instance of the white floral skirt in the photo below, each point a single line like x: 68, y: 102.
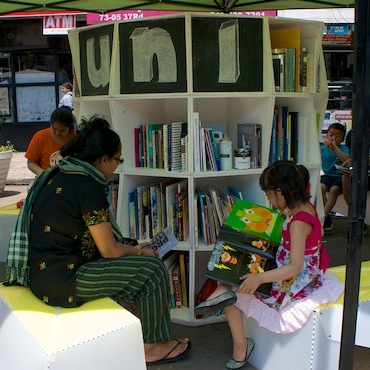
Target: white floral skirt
x: 293, y: 317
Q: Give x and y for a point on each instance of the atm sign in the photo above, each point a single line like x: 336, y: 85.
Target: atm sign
x: 58, y: 24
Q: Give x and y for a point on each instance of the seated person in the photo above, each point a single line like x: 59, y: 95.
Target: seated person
x: 43, y: 151
x: 75, y: 251
x: 332, y: 153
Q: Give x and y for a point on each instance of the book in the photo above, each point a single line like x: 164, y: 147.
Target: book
x: 176, y: 285
x: 234, y: 192
x: 286, y: 76
x: 303, y: 80
x: 278, y: 68
x: 196, y: 125
x: 257, y: 220
x: 236, y: 254
x: 250, y: 134
x: 273, y: 148
x: 163, y: 242
x: 183, y: 279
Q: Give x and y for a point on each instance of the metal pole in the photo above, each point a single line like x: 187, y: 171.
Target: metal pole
x: 359, y: 179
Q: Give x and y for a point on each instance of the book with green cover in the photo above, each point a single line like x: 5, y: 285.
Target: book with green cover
x: 255, y: 219
x: 236, y: 253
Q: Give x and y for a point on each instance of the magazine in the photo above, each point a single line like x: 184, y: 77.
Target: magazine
x: 236, y: 253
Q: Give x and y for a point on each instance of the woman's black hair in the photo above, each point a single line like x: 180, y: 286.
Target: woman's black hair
x: 287, y: 177
x: 63, y: 116
x: 94, y: 140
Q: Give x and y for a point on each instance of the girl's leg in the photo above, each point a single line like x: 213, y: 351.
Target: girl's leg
x: 235, y: 320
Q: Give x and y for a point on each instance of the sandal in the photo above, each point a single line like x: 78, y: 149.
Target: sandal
x: 232, y: 364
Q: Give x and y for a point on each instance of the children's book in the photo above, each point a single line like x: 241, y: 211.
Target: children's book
x: 257, y: 220
x: 236, y: 254
x: 163, y: 242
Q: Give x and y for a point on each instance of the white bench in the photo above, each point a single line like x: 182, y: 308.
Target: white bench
x: 98, y: 335
x: 317, y: 345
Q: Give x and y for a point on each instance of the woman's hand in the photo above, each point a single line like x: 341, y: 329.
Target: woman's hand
x: 145, y: 251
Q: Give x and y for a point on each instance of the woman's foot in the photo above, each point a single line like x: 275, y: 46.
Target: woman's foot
x: 165, y: 352
x: 211, y: 306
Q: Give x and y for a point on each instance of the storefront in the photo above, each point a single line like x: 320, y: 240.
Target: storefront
x: 35, y: 60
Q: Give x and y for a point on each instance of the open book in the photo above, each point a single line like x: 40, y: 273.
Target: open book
x: 236, y: 253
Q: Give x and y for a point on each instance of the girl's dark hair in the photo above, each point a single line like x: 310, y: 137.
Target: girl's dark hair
x: 64, y: 116
x: 287, y: 177
x: 94, y: 140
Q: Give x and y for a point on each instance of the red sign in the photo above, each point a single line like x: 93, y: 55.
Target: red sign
x: 59, y: 24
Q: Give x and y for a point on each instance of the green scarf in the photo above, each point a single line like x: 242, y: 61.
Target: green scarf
x: 17, y: 269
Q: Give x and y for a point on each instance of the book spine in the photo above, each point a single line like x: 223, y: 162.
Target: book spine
x: 183, y: 280
x: 137, y: 146
x: 196, y: 127
x: 303, y: 81
x: 176, y: 286
x: 165, y: 146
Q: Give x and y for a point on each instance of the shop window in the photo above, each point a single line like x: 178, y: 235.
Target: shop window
x: 34, y: 67
x: 5, y: 71
x: 35, y: 103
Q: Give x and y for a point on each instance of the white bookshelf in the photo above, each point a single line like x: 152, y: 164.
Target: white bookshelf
x: 128, y: 110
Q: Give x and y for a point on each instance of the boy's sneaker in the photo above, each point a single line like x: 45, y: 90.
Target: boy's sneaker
x: 328, y: 223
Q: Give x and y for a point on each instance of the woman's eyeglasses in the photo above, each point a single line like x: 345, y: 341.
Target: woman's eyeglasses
x: 120, y: 160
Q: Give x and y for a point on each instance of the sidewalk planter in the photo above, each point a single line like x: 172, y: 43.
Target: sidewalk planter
x: 5, y: 158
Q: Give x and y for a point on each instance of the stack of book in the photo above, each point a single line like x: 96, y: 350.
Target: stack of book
x: 289, y: 130
x: 161, y: 146
x: 214, y: 206
x: 177, y: 265
x: 154, y: 207
x: 247, y: 244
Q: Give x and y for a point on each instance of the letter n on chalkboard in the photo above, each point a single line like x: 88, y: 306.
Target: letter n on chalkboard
x: 153, y: 56
x: 95, y: 59
x: 227, y: 54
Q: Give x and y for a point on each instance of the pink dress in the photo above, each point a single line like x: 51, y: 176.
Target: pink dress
x: 292, y: 301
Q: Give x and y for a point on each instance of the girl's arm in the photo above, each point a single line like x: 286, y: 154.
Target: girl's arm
x: 299, y: 231
x: 108, y: 246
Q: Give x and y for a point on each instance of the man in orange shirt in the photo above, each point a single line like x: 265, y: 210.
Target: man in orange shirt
x: 44, y: 147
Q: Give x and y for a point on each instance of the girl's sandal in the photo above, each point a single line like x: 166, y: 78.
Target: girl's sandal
x: 232, y: 364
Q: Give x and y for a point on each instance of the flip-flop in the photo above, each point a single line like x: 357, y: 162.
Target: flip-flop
x: 166, y: 360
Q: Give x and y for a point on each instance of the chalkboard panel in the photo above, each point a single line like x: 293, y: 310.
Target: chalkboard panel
x: 96, y: 59
x: 153, y: 56
x: 227, y: 54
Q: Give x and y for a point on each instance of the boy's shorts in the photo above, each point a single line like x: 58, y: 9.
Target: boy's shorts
x: 330, y: 181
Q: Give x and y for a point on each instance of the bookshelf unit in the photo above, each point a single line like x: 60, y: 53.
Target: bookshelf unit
x: 127, y: 105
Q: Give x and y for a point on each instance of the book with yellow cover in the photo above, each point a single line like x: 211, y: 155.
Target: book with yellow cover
x: 254, y: 219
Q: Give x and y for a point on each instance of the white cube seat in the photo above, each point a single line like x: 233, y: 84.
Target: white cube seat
x: 316, y: 345
x: 98, y: 335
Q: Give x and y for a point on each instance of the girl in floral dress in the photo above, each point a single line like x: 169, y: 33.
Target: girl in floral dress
x: 301, y: 263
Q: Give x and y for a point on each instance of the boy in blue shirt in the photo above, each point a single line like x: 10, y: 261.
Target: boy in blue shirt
x: 332, y: 153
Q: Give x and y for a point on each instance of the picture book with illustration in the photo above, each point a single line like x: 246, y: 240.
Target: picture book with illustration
x: 236, y: 253
x: 252, y: 218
